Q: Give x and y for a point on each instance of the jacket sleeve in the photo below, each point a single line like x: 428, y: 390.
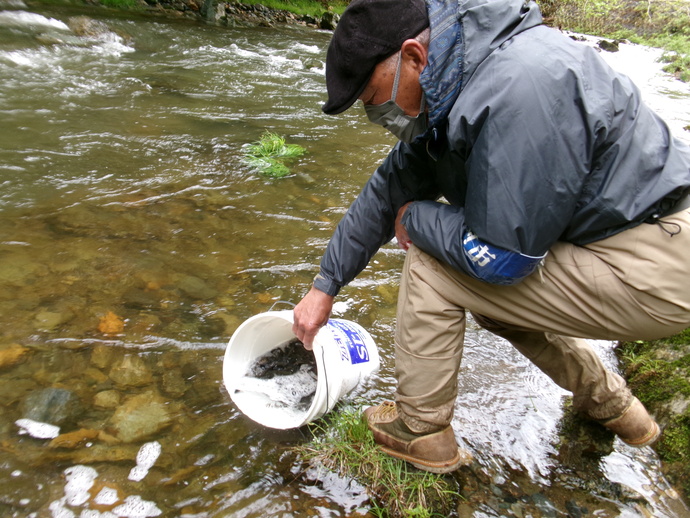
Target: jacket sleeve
x: 369, y: 223
x: 441, y: 231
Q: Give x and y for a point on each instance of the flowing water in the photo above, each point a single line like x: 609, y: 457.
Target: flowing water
x: 134, y: 240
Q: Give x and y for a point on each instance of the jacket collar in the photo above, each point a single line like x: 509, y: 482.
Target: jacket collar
x: 441, y: 79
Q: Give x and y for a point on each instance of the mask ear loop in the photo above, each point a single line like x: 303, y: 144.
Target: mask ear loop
x: 396, y: 80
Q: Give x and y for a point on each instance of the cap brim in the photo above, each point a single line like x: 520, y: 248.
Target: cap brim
x: 335, y: 105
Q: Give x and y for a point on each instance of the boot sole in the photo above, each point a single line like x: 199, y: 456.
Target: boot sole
x: 462, y: 458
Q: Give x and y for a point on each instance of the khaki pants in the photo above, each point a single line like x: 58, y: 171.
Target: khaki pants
x: 634, y: 285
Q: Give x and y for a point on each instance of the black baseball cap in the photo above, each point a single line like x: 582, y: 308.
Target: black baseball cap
x: 368, y: 32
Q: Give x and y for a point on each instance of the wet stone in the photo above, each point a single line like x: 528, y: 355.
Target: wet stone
x: 12, y: 355
x: 102, y: 356
x: 173, y: 384
x: 52, y: 405
x: 196, y: 288
x: 131, y: 371
x: 546, y: 507
x: 140, y: 417
x: 107, y: 399
x: 574, y: 510
x: 49, y: 320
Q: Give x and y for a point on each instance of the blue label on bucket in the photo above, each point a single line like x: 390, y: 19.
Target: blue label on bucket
x: 352, y: 342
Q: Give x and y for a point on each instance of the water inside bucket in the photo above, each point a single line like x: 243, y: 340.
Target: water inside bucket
x: 286, y: 375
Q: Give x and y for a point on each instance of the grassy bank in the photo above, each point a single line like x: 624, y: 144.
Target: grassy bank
x: 302, y: 7
x: 658, y: 373
x: 663, y: 23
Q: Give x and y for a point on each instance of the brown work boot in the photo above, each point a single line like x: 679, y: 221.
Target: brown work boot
x: 634, y: 426
x: 435, y: 452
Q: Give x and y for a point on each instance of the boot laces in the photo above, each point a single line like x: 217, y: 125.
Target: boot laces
x: 387, y: 410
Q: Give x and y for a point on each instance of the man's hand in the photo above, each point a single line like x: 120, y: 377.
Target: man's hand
x: 310, y: 315
x: 401, y: 234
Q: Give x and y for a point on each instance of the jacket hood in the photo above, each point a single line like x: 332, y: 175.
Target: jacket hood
x: 487, y: 24
x: 463, y: 34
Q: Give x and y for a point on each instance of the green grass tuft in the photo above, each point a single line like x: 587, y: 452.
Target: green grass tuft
x: 268, y: 155
x: 302, y: 7
x: 344, y: 445
x: 121, y: 4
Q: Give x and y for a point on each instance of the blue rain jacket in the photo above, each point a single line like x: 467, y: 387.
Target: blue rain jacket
x: 544, y: 142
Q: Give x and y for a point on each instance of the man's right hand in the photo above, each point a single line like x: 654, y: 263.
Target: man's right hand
x: 310, y: 315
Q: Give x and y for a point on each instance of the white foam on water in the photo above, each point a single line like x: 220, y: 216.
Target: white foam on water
x: 341, y: 306
x: 79, y: 480
x: 37, y: 429
x: 146, y: 458
x: 240, y: 52
x: 26, y: 19
x: 135, y: 507
x: 301, y: 47
x: 107, y: 496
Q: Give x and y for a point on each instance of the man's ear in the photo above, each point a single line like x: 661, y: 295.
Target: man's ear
x: 414, y: 54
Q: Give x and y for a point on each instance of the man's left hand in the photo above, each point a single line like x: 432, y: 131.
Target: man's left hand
x: 401, y: 234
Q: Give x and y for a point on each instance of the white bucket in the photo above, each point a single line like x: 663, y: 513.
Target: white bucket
x: 345, y: 354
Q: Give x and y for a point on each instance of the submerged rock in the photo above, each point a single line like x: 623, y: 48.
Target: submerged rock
x: 131, y: 371
x: 52, y: 405
x: 196, y: 288
x: 107, y: 399
x: 140, y: 417
x: 12, y: 355
x: 49, y: 320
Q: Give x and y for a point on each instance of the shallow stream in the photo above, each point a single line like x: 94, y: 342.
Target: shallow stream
x: 134, y: 241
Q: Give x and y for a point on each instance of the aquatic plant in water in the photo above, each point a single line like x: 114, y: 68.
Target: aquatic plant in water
x: 268, y: 155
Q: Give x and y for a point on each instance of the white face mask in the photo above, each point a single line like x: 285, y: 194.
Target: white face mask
x: 393, y: 117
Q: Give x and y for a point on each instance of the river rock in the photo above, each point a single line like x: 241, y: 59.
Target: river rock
x: 48, y: 320
x: 102, y: 356
x: 85, y: 26
x: 196, y: 288
x: 140, y: 417
x: 107, y: 399
x: 52, y: 405
x: 73, y: 440
x: 328, y: 21
x: 131, y: 371
x: 11, y: 355
x: 608, y: 46
x: 173, y: 383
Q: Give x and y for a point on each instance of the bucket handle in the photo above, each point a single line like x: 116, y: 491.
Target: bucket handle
x: 283, y: 302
